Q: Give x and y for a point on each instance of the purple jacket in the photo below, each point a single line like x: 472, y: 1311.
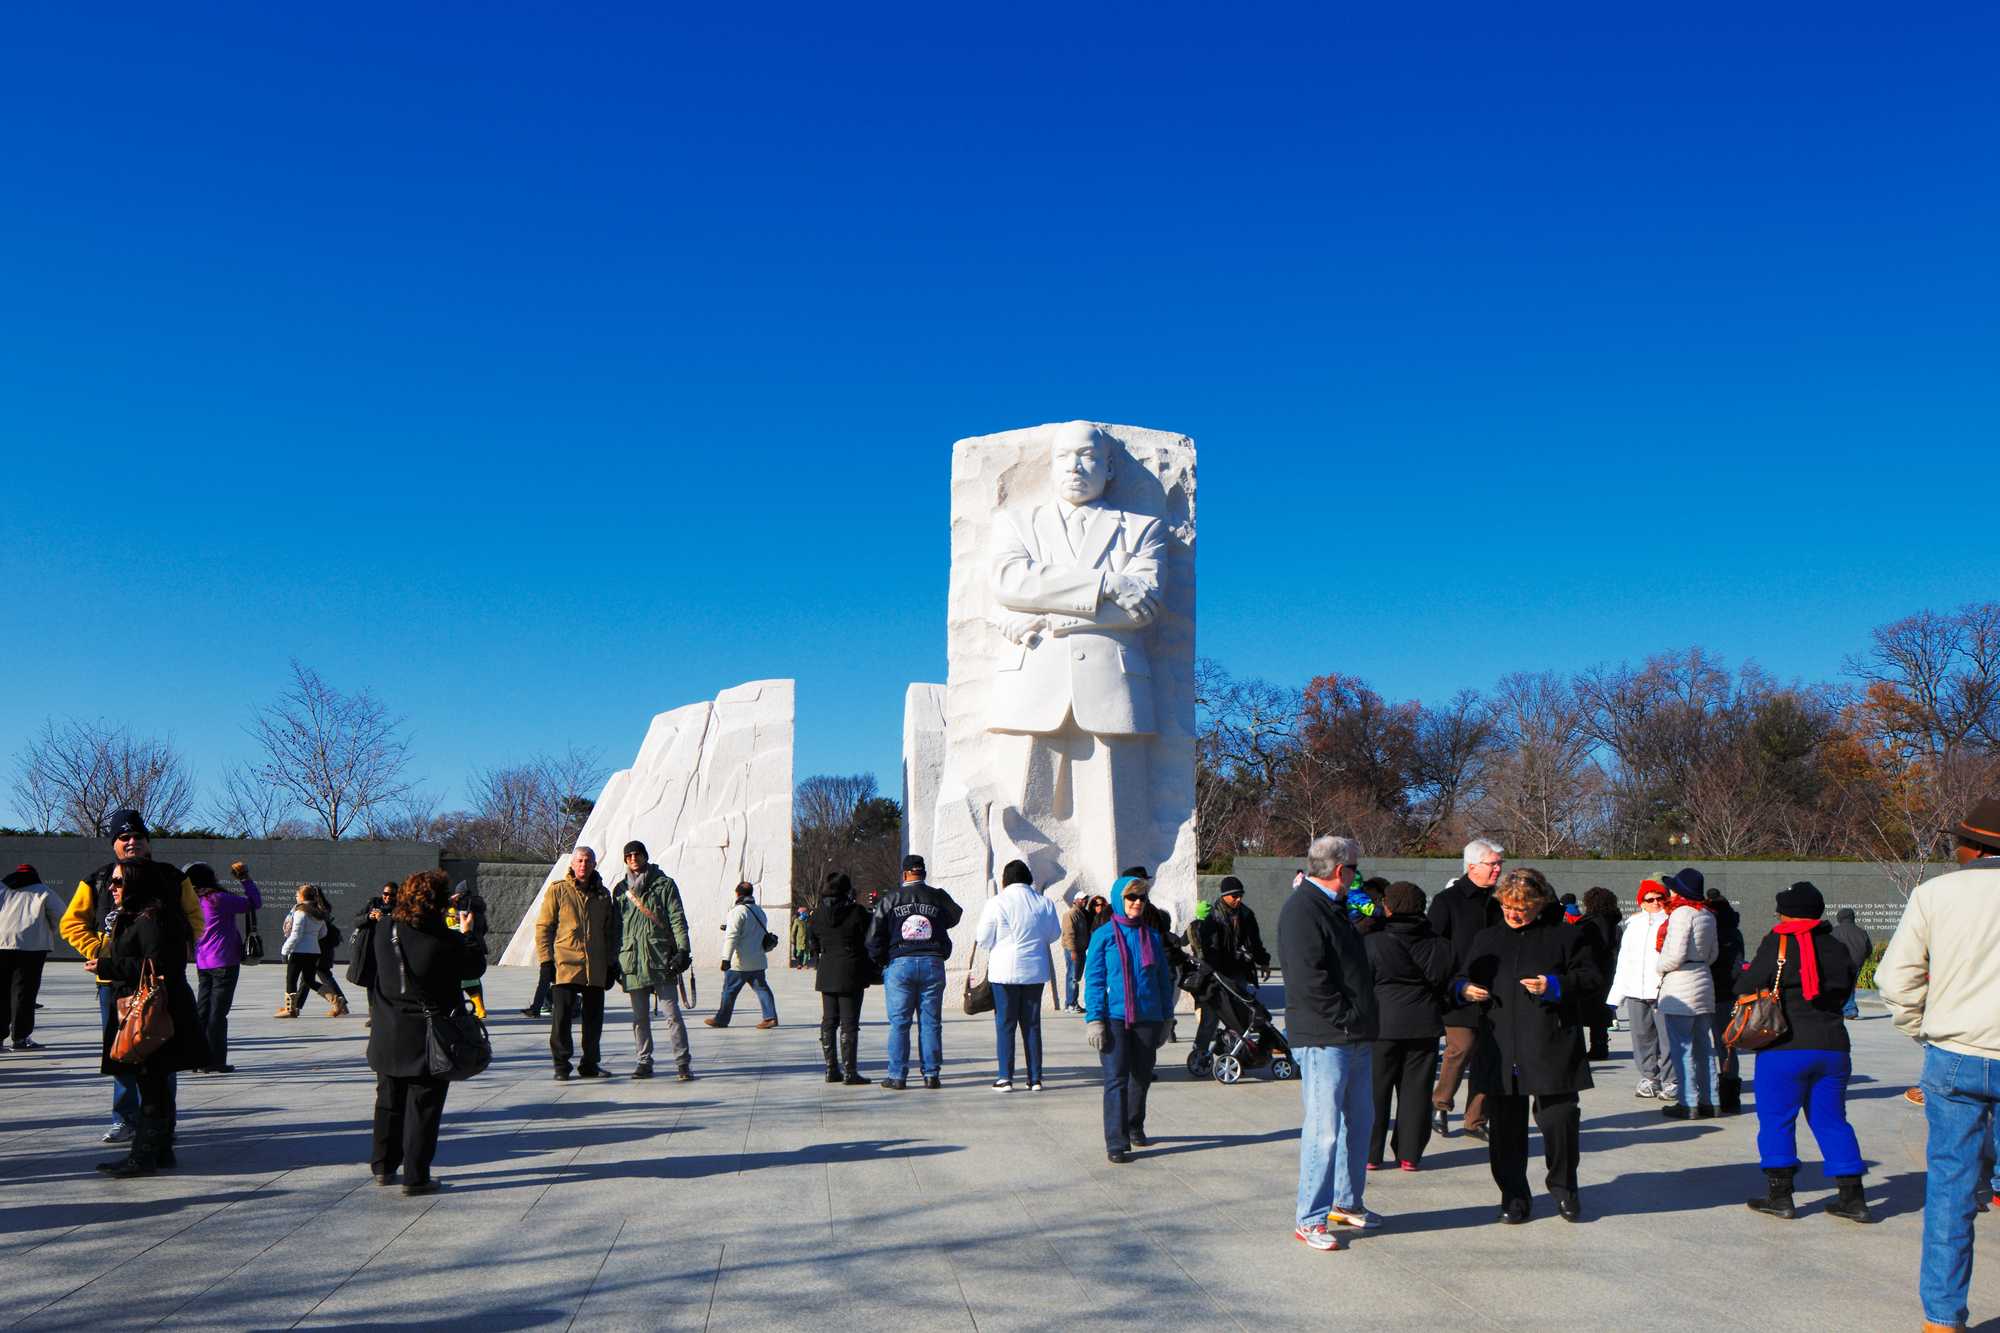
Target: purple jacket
x: 221, y: 945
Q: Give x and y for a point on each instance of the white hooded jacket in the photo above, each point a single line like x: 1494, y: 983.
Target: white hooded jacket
x: 1634, y: 978
x: 1016, y: 928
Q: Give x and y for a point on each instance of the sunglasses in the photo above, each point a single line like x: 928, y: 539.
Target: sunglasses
x: 1652, y: 898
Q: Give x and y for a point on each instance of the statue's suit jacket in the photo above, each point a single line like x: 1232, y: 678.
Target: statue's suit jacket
x: 1090, y: 661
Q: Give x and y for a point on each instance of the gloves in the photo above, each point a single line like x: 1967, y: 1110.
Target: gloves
x: 1161, y: 1033
x: 548, y: 974
x: 1097, y: 1036
x: 679, y: 962
x: 240, y: 871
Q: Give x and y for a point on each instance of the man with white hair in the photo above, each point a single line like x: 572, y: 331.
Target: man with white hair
x: 1330, y: 1024
x: 577, y: 938
x: 1459, y: 911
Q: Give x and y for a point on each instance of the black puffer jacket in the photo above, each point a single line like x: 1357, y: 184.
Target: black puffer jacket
x: 1530, y: 1044
x: 159, y: 936
x: 438, y: 959
x: 1601, y: 934
x: 1329, y: 985
x: 1815, y: 1024
x: 1459, y: 912
x: 1412, y: 967
x: 840, y: 927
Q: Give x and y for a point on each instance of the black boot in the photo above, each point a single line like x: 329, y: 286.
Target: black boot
x: 1777, y: 1203
x: 848, y: 1042
x: 832, y: 1063
x: 146, y: 1141
x: 1850, y: 1204
x: 163, y: 1155
x: 1730, y: 1095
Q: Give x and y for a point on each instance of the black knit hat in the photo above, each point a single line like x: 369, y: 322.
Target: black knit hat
x: 200, y: 874
x: 632, y: 847
x: 1802, y: 899
x: 1016, y: 873
x: 1230, y: 884
x: 126, y: 821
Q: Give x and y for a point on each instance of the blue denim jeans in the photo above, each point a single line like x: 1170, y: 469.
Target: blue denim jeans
x: 914, y: 985
x: 1815, y: 1082
x: 1072, y: 978
x: 1017, y: 1009
x: 124, y: 1087
x: 734, y: 981
x: 1338, y: 1083
x: 1128, y: 1072
x: 1689, y: 1038
x: 1960, y: 1092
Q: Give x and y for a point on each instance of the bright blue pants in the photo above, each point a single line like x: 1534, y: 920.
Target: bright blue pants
x: 1815, y: 1082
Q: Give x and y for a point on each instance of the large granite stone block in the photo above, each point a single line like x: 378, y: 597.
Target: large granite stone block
x: 711, y: 797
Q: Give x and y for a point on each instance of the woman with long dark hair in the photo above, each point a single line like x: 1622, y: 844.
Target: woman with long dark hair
x: 1599, y: 924
x: 329, y: 940
x: 838, y: 926
x: 149, y: 925
x: 419, y: 960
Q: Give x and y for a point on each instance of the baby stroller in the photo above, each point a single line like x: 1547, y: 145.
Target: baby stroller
x: 1245, y: 1037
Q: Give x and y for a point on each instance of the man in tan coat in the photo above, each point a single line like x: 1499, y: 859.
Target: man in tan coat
x: 577, y: 938
x: 1940, y: 977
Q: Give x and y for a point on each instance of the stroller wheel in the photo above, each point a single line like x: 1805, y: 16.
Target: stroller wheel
x: 1281, y: 1068
x: 1198, y: 1063
x: 1228, y: 1069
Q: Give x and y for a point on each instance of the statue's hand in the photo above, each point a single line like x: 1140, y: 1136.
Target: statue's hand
x: 1134, y: 597
x: 1017, y: 628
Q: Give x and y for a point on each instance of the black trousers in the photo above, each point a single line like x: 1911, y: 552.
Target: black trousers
x: 214, y: 992
x: 408, y: 1112
x: 156, y: 1096
x: 1128, y: 1072
x: 839, y: 1012
x: 300, y: 970
x: 1559, y: 1117
x: 20, y: 983
x: 1406, y: 1068
x: 566, y: 1000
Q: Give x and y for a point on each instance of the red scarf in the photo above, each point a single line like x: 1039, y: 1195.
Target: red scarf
x: 1660, y: 940
x: 1808, y: 959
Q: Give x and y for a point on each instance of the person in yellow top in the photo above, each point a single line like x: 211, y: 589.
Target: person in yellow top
x: 87, y: 928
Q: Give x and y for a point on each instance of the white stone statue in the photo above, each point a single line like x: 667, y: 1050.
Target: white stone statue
x: 1069, y: 713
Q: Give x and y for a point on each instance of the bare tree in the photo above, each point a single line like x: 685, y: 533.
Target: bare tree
x: 410, y: 818
x: 839, y: 823
x: 537, y: 809
x: 1729, y: 810
x: 77, y: 774
x: 248, y: 806
x: 339, y: 756
x: 1545, y: 794
x: 1933, y: 681
x: 1454, y: 742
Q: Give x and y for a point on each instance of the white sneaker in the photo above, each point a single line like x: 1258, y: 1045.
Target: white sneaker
x: 1317, y: 1237
x: 1647, y: 1088
x: 1359, y: 1218
x: 1034, y: 1087
x: 120, y: 1132
x: 1670, y: 1092
x: 1002, y: 1085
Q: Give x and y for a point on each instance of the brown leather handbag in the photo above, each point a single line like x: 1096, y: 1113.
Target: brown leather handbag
x: 1759, y: 1019
x: 144, y: 1025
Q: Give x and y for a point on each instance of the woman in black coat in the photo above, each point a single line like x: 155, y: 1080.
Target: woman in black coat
x: 837, y: 927
x: 1412, y: 965
x: 1599, y: 925
x: 147, y: 925
x: 417, y: 959
x: 1807, y: 1068
x: 1528, y: 975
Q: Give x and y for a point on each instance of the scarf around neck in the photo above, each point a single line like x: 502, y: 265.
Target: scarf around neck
x: 1146, y: 959
x: 1808, y: 957
x: 1699, y: 905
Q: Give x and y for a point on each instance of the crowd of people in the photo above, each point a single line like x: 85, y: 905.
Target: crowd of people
x: 1392, y: 1001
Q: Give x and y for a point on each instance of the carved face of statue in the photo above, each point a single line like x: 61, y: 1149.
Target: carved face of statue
x: 1080, y: 463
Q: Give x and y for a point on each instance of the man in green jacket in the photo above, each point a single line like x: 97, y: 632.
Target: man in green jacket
x: 654, y: 951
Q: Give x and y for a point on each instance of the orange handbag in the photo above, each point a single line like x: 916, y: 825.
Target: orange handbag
x: 144, y: 1025
x: 1759, y: 1019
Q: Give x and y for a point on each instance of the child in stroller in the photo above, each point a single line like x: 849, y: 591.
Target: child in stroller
x: 1245, y: 1037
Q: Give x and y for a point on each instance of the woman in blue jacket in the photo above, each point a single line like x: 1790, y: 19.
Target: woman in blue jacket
x: 1128, y: 1001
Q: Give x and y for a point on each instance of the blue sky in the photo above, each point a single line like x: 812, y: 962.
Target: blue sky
x: 543, y: 368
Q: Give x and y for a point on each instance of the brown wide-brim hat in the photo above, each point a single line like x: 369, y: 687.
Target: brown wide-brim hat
x: 1982, y: 825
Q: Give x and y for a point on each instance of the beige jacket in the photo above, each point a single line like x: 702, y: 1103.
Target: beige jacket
x: 743, y: 947
x: 578, y: 930
x: 1940, y: 975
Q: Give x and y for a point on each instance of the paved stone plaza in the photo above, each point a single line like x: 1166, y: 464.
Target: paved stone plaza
x: 760, y: 1197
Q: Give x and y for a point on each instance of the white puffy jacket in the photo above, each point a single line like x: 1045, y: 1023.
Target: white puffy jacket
x: 1634, y: 978
x: 1682, y: 962
x: 1016, y: 928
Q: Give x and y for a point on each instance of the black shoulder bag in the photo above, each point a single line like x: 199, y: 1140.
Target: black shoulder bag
x: 361, y: 954
x: 455, y: 1042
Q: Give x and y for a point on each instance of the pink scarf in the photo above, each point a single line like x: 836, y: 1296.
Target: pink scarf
x: 1146, y: 959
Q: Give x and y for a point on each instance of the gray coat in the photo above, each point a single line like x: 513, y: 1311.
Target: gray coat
x: 1853, y: 937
